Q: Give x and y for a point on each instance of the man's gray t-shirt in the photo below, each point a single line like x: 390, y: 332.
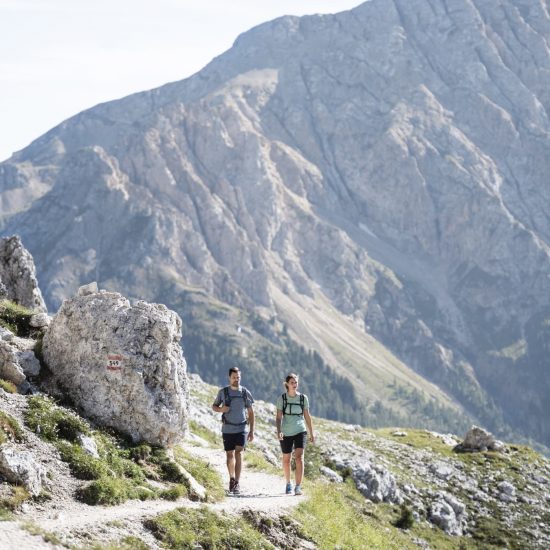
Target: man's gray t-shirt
x: 238, y: 415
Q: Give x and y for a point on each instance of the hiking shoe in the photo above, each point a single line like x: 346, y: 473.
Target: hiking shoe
x: 236, y: 488
x: 288, y: 488
x: 298, y: 490
x: 232, y: 484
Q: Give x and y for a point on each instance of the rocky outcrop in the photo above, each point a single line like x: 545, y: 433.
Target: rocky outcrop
x: 17, y: 358
x: 372, y: 480
x: 19, y: 466
x: 122, y: 365
x: 18, y: 281
x: 448, y: 513
x: 477, y: 439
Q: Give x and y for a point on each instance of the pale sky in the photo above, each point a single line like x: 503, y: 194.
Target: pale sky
x: 59, y: 57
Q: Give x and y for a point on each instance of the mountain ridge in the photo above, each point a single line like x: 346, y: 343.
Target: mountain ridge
x: 307, y: 166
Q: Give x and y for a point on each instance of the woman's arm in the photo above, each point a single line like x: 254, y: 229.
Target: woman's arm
x: 278, y: 420
x: 309, y: 423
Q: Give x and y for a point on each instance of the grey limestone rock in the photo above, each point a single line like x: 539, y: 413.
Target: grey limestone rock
x: 447, y: 512
x: 40, y: 320
x: 331, y: 474
x: 17, y: 360
x: 375, y: 483
x: 19, y: 466
x: 121, y: 364
x: 18, y: 275
x: 88, y: 444
x: 478, y: 439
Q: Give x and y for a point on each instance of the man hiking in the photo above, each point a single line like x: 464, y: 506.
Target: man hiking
x: 235, y: 404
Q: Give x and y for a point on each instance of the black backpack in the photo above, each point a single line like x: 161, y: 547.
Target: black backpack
x: 301, y: 405
x: 227, y: 401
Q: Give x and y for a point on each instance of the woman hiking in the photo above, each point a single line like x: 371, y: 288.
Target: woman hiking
x: 292, y: 418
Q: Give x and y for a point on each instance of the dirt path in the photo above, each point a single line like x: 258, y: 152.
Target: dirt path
x: 78, y: 522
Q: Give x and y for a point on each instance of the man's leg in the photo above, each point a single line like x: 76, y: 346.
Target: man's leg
x: 238, y: 462
x: 230, y: 456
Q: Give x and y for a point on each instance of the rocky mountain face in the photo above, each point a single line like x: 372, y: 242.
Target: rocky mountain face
x: 374, y: 179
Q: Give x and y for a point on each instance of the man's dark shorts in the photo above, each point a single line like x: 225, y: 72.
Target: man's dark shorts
x: 230, y: 441
x: 298, y: 441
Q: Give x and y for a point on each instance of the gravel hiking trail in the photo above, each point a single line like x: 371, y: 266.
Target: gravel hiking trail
x: 78, y: 523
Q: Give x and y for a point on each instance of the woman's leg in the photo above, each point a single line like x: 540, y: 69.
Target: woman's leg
x: 286, y: 466
x: 299, y: 457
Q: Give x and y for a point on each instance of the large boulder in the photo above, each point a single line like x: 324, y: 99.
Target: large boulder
x: 122, y: 365
x: 477, y: 439
x: 19, y: 466
x: 18, y: 281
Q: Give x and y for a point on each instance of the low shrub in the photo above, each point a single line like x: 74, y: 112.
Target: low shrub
x: 106, y: 491
x: 174, y: 493
x: 8, y: 386
x: 202, y: 528
x: 15, y: 318
x: 9, y: 428
x: 82, y: 465
x: 406, y: 519
x: 12, y: 503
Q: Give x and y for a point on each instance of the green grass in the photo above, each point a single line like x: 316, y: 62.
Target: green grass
x: 15, y: 318
x: 8, y: 386
x: 120, y: 471
x: 108, y: 491
x: 47, y: 536
x: 417, y: 439
x: 127, y: 543
x: 203, y: 472
x: 52, y: 422
x: 9, y: 429
x: 255, y: 460
x: 189, y: 529
x: 208, y: 435
x: 13, y: 502
x: 335, y: 516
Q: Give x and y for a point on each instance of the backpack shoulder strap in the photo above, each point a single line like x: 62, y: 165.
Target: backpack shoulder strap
x: 284, y: 403
x: 226, y: 396
x: 302, y: 402
x: 245, y: 397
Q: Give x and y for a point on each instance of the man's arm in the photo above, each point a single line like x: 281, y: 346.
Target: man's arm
x: 220, y: 408
x: 251, y: 423
x: 309, y: 423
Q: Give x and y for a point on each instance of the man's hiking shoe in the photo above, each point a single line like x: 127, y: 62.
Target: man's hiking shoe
x: 288, y: 488
x: 298, y: 490
x: 236, y: 488
x: 232, y: 484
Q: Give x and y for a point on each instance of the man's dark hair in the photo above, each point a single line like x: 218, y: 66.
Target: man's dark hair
x: 233, y: 369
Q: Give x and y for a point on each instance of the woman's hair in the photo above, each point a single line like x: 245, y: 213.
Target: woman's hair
x: 289, y: 377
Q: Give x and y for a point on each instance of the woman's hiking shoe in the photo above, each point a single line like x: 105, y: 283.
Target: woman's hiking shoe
x: 232, y: 484
x: 236, y: 488
x: 288, y: 488
x: 298, y: 490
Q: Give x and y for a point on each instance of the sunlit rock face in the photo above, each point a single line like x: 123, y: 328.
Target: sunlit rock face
x: 121, y: 365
